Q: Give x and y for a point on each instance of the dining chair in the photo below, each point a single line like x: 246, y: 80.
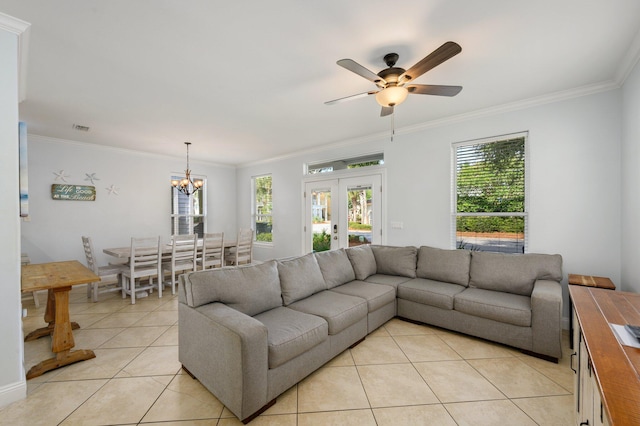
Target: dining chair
x: 144, y: 262
x: 110, y: 275
x: 183, y: 257
x: 212, y: 253
x: 243, y: 251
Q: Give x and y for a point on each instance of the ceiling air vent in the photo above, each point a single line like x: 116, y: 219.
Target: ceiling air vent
x: 81, y: 127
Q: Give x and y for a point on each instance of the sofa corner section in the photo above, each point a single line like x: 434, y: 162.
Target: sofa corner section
x: 227, y: 352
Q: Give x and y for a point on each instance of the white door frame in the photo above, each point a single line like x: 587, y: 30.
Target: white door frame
x: 345, y: 177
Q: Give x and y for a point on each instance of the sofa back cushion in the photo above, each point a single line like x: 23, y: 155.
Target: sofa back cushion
x: 249, y: 289
x: 335, y: 267
x: 450, y: 266
x: 300, y: 277
x: 362, y: 260
x: 513, y: 273
x: 395, y: 260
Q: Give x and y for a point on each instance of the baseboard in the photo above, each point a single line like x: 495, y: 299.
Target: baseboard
x: 13, y: 392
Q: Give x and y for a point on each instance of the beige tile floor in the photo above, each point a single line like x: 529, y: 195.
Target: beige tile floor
x: 402, y: 374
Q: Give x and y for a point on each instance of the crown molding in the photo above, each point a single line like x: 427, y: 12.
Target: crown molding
x: 629, y: 61
x: 22, y: 29
x: 48, y: 139
x: 485, y: 112
x: 514, y: 106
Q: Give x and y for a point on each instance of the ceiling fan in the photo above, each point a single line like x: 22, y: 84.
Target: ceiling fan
x: 393, y: 82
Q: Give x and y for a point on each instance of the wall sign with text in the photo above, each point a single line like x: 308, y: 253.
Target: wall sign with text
x: 73, y: 192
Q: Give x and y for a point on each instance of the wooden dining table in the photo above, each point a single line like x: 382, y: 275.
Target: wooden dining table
x: 57, y: 278
x: 125, y: 252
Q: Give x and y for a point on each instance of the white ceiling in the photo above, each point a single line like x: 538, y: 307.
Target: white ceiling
x: 247, y: 80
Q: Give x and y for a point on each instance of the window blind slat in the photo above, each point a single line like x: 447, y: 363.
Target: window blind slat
x: 490, y: 192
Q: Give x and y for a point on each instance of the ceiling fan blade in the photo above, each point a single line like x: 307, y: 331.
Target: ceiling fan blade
x: 355, y: 67
x: 386, y: 111
x: 428, y: 89
x: 435, y: 58
x: 352, y: 97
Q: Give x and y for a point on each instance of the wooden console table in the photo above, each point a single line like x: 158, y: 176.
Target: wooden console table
x: 57, y: 278
x: 615, y: 367
x: 587, y: 281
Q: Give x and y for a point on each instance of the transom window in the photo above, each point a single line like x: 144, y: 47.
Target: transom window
x: 346, y: 163
x: 490, y: 205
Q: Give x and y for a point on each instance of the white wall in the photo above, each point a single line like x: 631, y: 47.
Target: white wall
x: 574, y: 188
x: 631, y: 182
x: 141, y: 208
x: 12, y: 379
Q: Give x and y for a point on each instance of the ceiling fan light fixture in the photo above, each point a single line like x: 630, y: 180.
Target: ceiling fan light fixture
x: 392, y: 96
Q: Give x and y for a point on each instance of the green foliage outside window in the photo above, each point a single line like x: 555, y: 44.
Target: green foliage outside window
x: 321, y: 241
x: 490, y: 179
x: 264, y: 208
x: 359, y: 226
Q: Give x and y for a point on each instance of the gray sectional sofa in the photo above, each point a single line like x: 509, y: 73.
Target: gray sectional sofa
x: 250, y: 333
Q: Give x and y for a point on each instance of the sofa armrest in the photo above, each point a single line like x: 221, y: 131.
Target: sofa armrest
x: 546, y: 318
x: 227, y: 352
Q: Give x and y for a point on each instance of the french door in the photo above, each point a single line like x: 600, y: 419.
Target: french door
x: 343, y: 212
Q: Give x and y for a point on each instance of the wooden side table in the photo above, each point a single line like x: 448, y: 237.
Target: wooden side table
x: 591, y: 281
x: 586, y: 281
x: 57, y: 278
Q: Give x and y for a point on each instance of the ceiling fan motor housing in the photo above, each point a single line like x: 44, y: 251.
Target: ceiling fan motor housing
x: 390, y: 75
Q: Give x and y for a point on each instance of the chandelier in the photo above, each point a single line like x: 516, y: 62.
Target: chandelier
x: 187, y: 186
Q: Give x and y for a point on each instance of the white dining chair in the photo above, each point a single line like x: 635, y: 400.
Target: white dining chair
x: 243, y: 251
x: 110, y: 275
x: 183, y: 257
x: 212, y: 253
x: 144, y: 262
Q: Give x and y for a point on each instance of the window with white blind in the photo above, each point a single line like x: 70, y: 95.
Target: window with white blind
x: 490, y: 194
x: 188, y: 213
x: 263, y: 208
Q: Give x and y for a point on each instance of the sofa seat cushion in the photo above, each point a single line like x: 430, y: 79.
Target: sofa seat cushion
x: 291, y: 333
x: 391, y: 280
x: 335, y: 267
x: 376, y: 295
x: 494, y: 305
x: 451, y: 266
x: 339, y: 310
x: 395, y: 260
x: 430, y: 292
x: 300, y: 277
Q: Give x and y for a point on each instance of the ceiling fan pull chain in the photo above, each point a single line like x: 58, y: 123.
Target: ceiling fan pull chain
x: 393, y: 126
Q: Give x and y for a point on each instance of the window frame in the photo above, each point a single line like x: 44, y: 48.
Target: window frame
x: 255, y: 207
x: 454, y: 188
x: 190, y: 217
x: 343, y: 164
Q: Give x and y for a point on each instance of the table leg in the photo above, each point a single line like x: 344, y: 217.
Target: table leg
x: 62, y: 337
x: 50, y: 317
